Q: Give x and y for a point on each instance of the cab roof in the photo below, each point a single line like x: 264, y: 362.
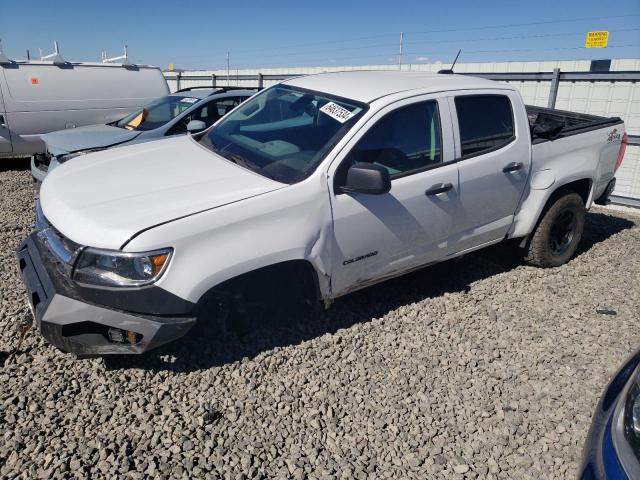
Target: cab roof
x: 367, y: 86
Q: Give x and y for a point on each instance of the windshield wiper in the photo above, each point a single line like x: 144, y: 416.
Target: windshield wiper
x: 235, y: 158
x: 240, y: 160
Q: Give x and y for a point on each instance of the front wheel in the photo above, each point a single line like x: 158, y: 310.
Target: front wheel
x: 558, y: 234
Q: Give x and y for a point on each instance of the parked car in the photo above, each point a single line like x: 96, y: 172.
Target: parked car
x: 188, y: 110
x: 612, y: 449
x: 309, y: 190
x: 37, y: 97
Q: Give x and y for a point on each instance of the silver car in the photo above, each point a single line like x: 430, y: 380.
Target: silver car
x: 188, y: 110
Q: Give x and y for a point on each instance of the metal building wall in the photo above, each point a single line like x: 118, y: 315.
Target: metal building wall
x: 599, y: 98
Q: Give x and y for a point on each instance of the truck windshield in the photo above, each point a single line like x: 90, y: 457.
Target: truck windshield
x: 157, y: 113
x: 284, y: 132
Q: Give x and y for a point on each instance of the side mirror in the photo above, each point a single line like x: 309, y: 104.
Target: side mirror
x: 367, y: 178
x: 196, y: 126
x: 548, y: 129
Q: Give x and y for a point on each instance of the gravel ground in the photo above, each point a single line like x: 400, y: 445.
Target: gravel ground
x: 477, y: 368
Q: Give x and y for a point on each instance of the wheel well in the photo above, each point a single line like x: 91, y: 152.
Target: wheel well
x: 582, y: 187
x: 298, y: 277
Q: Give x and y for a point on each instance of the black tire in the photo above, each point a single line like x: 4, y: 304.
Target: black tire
x: 558, y: 233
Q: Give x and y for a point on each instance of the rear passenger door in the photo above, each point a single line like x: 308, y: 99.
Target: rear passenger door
x: 494, y: 155
x: 382, y: 235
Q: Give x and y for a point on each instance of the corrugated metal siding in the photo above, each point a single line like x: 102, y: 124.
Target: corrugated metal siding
x: 599, y: 98
x: 620, y: 99
x: 628, y: 177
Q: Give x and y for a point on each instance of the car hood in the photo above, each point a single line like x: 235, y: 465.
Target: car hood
x: 103, y: 199
x: 85, y: 138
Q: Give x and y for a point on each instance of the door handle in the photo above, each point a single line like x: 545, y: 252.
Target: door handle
x: 512, y: 167
x: 439, y: 188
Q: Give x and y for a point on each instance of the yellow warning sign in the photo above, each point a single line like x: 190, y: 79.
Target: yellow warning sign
x: 171, y: 67
x: 597, y: 39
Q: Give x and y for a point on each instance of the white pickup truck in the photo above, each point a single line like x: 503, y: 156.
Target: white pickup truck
x: 314, y: 188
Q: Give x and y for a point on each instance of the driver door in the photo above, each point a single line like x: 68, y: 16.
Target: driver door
x: 379, y: 236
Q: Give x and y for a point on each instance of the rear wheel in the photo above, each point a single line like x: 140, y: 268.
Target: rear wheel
x: 558, y: 234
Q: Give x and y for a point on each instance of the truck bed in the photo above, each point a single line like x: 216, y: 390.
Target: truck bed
x: 574, y: 123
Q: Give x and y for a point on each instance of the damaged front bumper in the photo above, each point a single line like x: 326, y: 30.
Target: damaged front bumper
x: 40, y: 166
x: 74, y: 320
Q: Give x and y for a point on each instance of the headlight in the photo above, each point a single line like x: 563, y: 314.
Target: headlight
x: 632, y: 417
x: 109, y: 268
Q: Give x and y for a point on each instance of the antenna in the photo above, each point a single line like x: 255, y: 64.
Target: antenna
x: 449, y: 71
x: 3, y: 58
x: 124, y: 58
x: 455, y: 60
x: 54, y: 57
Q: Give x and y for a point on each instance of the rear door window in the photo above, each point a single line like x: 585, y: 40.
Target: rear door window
x: 486, y: 123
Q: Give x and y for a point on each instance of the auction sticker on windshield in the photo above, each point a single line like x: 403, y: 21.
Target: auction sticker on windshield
x: 189, y: 100
x: 336, y: 112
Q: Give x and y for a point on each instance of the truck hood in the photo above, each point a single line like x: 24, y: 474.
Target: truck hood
x: 103, y: 199
x: 85, y: 138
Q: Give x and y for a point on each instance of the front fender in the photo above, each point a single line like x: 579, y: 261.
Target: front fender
x: 217, y: 245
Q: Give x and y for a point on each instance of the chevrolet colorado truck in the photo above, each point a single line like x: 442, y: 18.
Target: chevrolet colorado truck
x: 313, y: 188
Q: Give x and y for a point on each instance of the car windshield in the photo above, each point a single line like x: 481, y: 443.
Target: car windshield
x: 157, y: 113
x: 284, y: 132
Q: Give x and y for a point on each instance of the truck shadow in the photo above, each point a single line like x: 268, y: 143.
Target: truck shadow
x: 9, y: 164
x: 206, y: 346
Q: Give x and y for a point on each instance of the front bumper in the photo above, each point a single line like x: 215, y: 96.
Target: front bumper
x: 40, y: 166
x: 69, y: 322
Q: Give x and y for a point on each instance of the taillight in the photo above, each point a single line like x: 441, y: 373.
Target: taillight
x: 623, y: 148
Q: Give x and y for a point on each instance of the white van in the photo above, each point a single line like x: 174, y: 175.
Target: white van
x: 38, y: 97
